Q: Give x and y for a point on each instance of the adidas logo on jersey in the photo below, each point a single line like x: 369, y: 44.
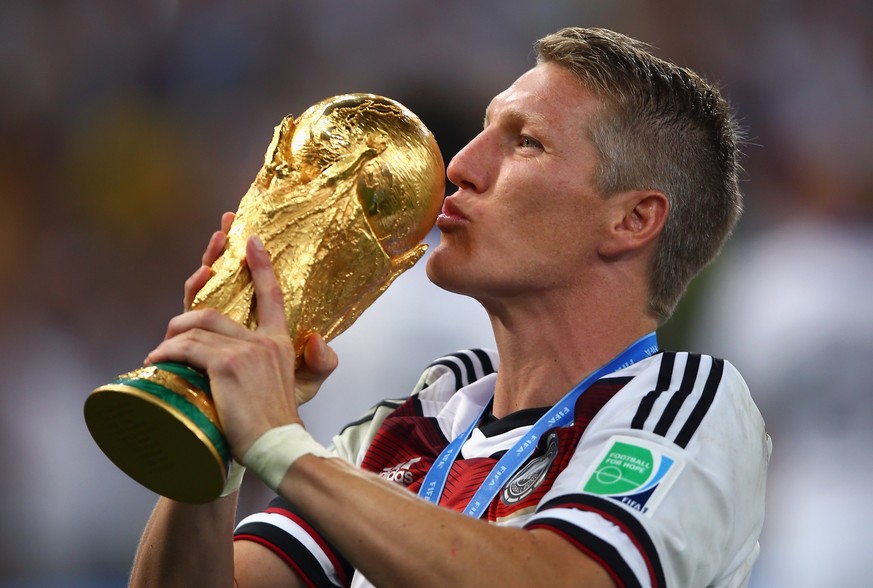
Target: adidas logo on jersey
x: 400, y: 473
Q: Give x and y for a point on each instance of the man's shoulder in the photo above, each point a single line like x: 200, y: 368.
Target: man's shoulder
x: 669, y: 369
x: 674, y: 393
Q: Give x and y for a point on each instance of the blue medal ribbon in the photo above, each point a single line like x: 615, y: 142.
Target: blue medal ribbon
x: 435, y: 480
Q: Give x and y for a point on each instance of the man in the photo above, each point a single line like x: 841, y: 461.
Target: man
x: 603, y: 181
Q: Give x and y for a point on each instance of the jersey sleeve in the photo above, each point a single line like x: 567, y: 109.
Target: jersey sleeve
x: 352, y: 442
x: 299, y: 545
x: 284, y: 532
x: 666, y: 487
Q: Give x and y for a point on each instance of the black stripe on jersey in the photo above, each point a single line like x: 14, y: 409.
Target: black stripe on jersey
x: 665, y: 375
x: 627, y: 522
x: 467, y: 366
x: 289, y: 549
x: 703, y: 404
x: 596, y: 548
x: 692, y: 367
x: 371, y: 413
x: 456, y: 370
x: 343, y: 567
x: 485, y: 360
x: 688, y: 388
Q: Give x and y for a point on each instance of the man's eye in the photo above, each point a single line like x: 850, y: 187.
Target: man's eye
x: 529, y: 142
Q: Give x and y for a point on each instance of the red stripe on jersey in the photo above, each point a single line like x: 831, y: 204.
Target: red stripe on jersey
x: 465, y: 478
x: 618, y: 522
x: 613, y: 575
x: 285, y: 557
x: 316, y: 536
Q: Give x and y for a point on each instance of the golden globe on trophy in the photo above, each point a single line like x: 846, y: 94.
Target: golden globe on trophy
x: 346, y: 195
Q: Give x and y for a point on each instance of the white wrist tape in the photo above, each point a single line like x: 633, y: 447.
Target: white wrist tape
x: 234, y: 478
x: 272, y: 453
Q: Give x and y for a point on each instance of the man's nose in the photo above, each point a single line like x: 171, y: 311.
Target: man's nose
x: 468, y: 169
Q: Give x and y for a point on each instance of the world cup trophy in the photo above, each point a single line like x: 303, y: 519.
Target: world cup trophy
x: 346, y: 195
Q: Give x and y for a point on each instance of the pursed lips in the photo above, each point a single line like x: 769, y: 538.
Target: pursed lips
x: 450, y: 216
x: 451, y: 210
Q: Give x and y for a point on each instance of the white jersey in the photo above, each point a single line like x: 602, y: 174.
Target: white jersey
x: 660, y: 477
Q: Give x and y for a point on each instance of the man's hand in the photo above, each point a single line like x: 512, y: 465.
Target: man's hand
x: 214, y: 249
x: 251, y: 373
x: 318, y: 361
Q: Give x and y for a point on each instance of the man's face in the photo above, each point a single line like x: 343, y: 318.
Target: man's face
x: 526, y: 218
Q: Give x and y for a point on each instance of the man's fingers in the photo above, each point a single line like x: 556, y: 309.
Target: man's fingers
x: 218, y: 240
x: 226, y: 221
x: 319, y: 361
x: 270, y: 306
x: 199, y: 278
x: 214, y: 248
x: 193, y: 285
x: 207, y: 319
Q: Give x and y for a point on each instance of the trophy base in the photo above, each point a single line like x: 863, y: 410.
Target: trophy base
x: 158, y: 438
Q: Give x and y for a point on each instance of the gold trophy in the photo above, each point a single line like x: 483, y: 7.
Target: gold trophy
x: 346, y: 195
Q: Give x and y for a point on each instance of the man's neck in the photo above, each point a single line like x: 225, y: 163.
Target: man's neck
x: 543, y: 357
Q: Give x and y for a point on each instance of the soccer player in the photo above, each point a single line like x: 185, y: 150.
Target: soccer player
x: 603, y: 180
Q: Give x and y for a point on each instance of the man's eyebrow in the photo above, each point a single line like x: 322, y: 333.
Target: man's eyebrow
x: 515, y: 115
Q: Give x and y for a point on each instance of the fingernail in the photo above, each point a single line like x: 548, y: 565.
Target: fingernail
x: 322, y: 347
x: 256, y: 241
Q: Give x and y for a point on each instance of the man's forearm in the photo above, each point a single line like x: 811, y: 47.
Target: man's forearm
x: 186, y: 545
x: 396, y: 539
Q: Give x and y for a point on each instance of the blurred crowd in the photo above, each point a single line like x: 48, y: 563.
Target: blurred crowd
x: 127, y: 128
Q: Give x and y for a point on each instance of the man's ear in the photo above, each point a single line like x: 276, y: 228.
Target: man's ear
x: 636, y: 219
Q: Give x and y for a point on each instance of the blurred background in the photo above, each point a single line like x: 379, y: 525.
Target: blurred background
x: 127, y: 128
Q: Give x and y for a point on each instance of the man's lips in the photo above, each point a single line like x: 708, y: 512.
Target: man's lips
x: 451, y: 216
x: 451, y: 210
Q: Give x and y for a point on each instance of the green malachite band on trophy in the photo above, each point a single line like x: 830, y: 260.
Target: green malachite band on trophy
x: 192, y: 376
x: 183, y: 406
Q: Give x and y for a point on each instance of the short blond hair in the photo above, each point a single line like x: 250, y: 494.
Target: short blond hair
x: 663, y: 127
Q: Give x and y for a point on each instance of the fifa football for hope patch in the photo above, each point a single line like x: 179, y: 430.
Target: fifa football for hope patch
x: 635, y: 472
